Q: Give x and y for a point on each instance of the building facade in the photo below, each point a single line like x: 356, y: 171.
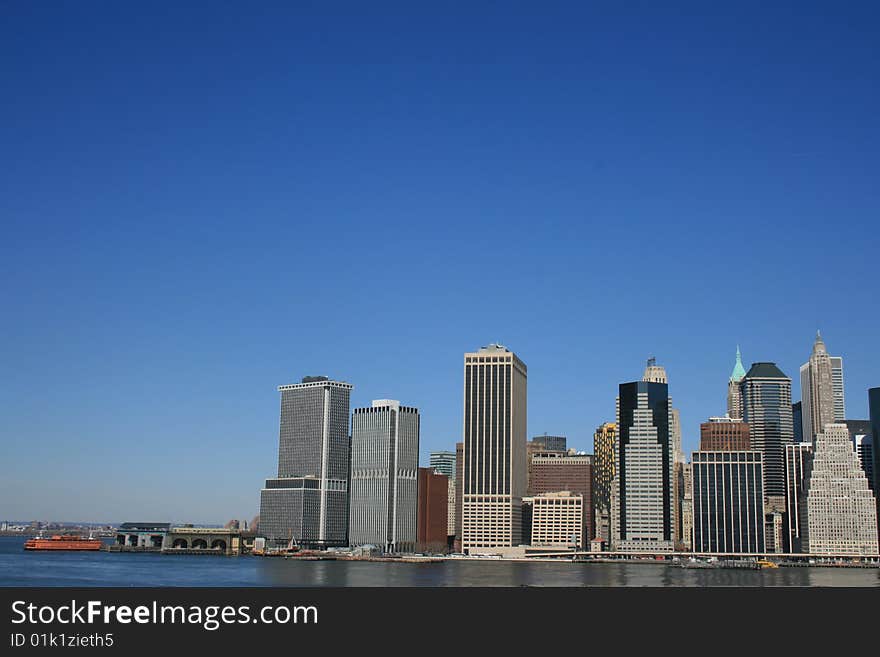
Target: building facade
x: 821, y: 390
x: 798, y: 458
x: 459, y: 484
x: 551, y: 443
x: 687, y: 507
x: 874, y: 414
x: 443, y: 462
x: 561, y: 471
x: 603, y: 475
x: 724, y: 434
x: 863, y: 442
x: 839, y: 507
x: 766, y: 393
x: 642, y: 514
x: 384, y: 471
x: 728, y: 502
x: 494, y: 477
x: 734, y: 391
x: 433, y: 496
x: 307, y: 503
x: 557, y: 520
x: 655, y: 373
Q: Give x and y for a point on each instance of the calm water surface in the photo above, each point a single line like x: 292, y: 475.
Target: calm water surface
x: 20, y: 568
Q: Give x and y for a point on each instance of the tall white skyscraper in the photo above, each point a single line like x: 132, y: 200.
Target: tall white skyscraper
x: 822, y: 395
x: 384, y: 476
x: 840, y: 514
x: 494, y: 468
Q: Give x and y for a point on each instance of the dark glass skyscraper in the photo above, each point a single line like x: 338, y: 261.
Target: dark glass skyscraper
x: 797, y: 419
x: 728, y: 502
x: 642, y: 489
x: 308, y: 501
x: 767, y: 410
x: 874, y: 409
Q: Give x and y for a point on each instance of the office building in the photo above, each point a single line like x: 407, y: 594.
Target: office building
x: 766, y: 393
x: 534, y: 447
x: 459, y: 484
x: 734, y: 390
x: 728, y: 502
x: 433, y: 498
x: 494, y: 478
x: 724, y: 434
x: 557, y: 520
x: 863, y: 443
x: 307, y: 503
x: 450, y: 510
x: 821, y: 390
x: 874, y: 414
x: 603, y: 474
x: 551, y: 443
x: 798, y: 458
x: 655, y: 373
x: 797, y: 422
x: 443, y: 462
x: 566, y: 471
x: 839, y: 508
x: 687, y: 507
x: 384, y: 471
x: 642, y: 513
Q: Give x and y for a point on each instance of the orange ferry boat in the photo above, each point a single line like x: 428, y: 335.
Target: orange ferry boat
x: 64, y: 543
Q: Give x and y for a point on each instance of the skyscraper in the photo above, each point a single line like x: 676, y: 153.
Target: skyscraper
x: 642, y: 515
x: 734, y: 391
x: 728, y: 501
x: 432, y: 509
x: 797, y: 419
x: 766, y: 393
x: 839, y: 508
x: 874, y: 410
x: 603, y: 474
x: 798, y: 458
x: 821, y: 390
x: 307, y: 502
x: 657, y: 374
x: 384, y: 476
x: 687, y: 506
x: 837, y: 387
x: 459, y: 484
x: 443, y: 462
x: 860, y: 434
x: 494, y: 449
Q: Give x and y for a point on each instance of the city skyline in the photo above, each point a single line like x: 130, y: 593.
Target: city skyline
x: 424, y: 459
x: 187, y: 227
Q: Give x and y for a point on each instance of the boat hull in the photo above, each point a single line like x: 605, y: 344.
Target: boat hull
x: 63, y: 545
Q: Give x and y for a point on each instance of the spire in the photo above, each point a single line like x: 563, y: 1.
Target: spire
x: 819, y: 344
x: 738, y: 370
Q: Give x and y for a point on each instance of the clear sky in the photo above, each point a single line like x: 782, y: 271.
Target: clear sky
x: 200, y: 203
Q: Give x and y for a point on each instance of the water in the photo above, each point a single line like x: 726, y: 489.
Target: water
x: 20, y: 568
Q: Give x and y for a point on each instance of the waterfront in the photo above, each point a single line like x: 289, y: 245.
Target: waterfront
x: 20, y: 568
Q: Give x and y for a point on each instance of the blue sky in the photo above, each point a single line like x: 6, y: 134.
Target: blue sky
x: 201, y: 203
